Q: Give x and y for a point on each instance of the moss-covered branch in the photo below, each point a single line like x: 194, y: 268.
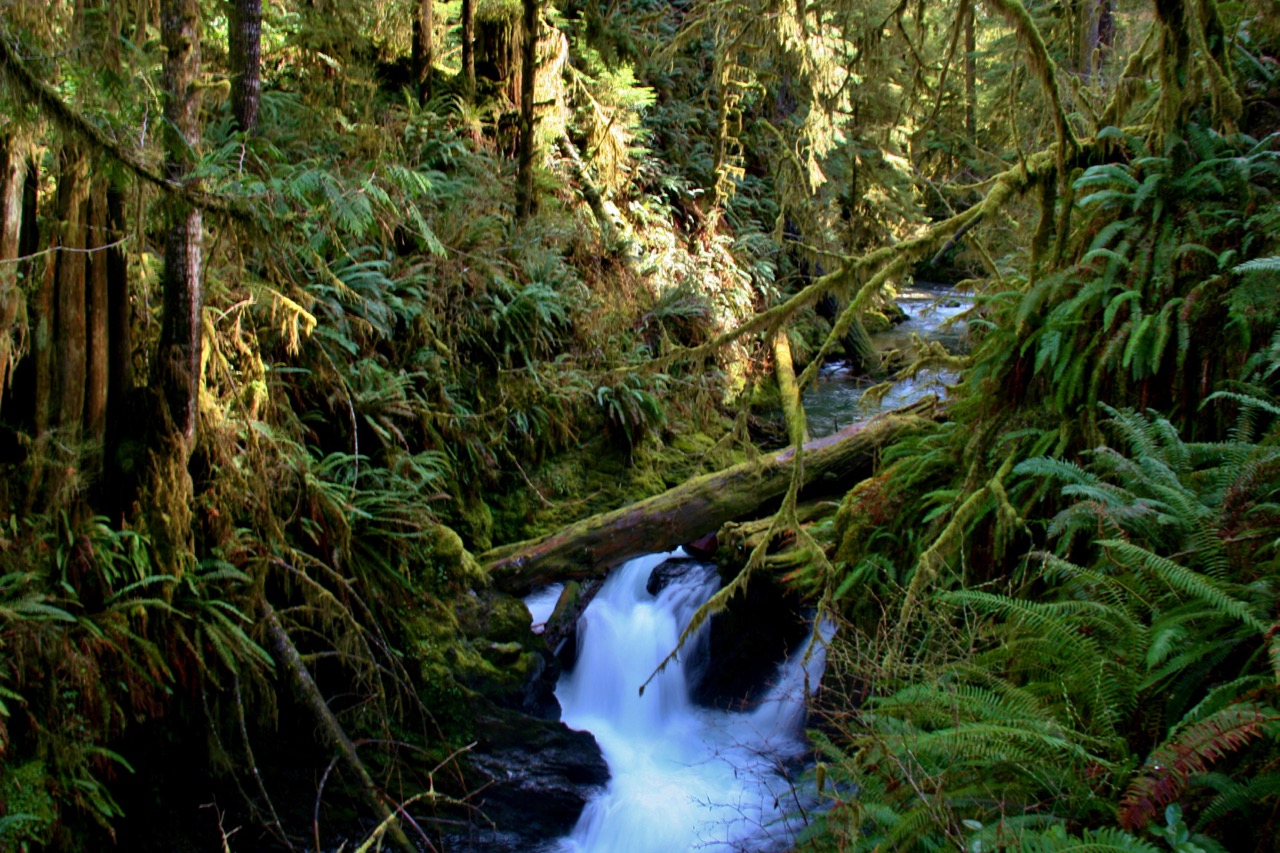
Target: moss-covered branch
x: 1004, y: 186
x: 32, y: 88
x: 1045, y: 69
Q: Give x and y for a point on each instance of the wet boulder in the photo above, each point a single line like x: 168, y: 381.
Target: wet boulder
x: 534, y: 778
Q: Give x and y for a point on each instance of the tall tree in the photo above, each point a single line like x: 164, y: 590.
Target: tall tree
x: 13, y: 178
x: 175, y: 370
x: 423, y: 47
x: 244, y: 49
x: 469, y: 46
x: 528, y: 76
x: 67, y: 403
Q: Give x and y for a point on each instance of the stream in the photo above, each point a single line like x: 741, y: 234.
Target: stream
x: 835, y: 399
x: 686, y: 777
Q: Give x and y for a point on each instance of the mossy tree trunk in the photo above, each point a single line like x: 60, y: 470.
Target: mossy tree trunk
x: 970, y: 73
x: 469, y: 46
x: 423, y: 47
x: 69, y: 318
x: 175, y: 369
x: 175, y: 372
x: 97, y: 327
x: 13, y: 179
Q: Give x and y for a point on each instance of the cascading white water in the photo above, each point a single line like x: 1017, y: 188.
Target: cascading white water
x: 683, y: 777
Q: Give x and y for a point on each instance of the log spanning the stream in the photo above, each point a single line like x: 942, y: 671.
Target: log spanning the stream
x: 595, y: 545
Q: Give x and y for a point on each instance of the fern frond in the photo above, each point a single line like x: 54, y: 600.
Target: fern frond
x: 1171, y: 765
x: 1185, y: 580
x: 1271, y: 264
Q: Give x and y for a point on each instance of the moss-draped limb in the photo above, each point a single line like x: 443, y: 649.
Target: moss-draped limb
x: 933, y: 558
x: 1043, y: 66
x: 1003, y: 187
x: 1131, y: 80
x: 21, y: 77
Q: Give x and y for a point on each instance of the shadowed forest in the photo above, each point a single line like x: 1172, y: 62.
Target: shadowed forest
x: 327, y: 329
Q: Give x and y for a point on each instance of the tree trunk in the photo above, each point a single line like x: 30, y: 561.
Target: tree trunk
x: 120, y: 484
x: 119, y: 312
x: 971, y: 74
x: 525, y: 201
x: 593, y: 546
x: 176, y: 368
x: 468, y: 46
x: 69, y: 326
x: 97, y: 328
x: 42, y: 314
x: 423, y: 48
x: 13, y: 332
x: 244, y: 46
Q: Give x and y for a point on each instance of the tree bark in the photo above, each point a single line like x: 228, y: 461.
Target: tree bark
x: 97, y: 327
x: 594, y: 546
x: 13, y: 332
x: 525, y: 201
x: 69, y: 315
x: 119, y: 311
x: 468, y: 46
x: 244, y: 46
x: 423, y: 48
x: 176, y: 368
x: 971, y: 74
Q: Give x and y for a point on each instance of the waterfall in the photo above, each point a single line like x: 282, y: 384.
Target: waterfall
x: 683, y: 777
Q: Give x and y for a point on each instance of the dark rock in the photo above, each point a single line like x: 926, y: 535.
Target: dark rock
x: 747, y: 642
x: 667, y: 571
x: 534, y: 777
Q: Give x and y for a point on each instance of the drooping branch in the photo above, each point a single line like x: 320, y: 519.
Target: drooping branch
x: 1045, y: 69
x: 32, y: 88
x: 1002, y: 188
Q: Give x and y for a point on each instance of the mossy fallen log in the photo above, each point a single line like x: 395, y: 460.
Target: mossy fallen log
x: 593, y: 546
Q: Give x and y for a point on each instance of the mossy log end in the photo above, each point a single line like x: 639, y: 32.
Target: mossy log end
x: 593, y: 546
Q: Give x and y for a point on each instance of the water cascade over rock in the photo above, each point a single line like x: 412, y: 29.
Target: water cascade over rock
x: 683, y: 776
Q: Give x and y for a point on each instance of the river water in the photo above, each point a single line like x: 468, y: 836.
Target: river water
x: 835, y: 399
x: 686, y: 777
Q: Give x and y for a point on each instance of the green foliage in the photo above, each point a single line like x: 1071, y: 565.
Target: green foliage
x: 1154, y: 270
